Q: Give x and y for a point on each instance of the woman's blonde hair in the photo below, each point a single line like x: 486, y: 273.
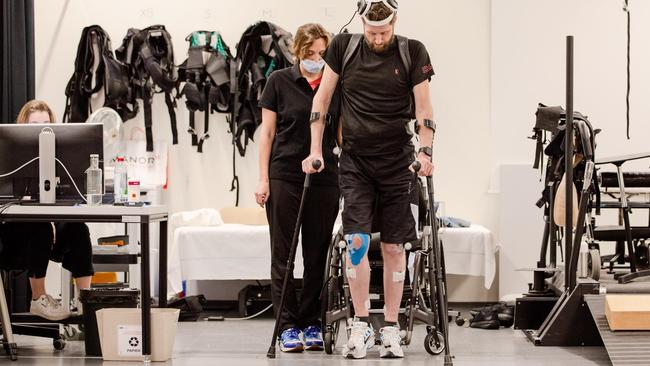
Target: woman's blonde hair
x: 34, y: 106
x: 305, y: 37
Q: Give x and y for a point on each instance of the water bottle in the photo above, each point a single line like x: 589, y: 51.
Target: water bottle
x: 94, y: 182
x: 120, y: 185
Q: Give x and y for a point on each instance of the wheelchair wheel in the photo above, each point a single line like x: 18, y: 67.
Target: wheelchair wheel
x: 332, y: 296
x: 593, y: 263
x: 434, y: 343
x: 12, y: 350
x: 331, y: 331
x: 58, y: 343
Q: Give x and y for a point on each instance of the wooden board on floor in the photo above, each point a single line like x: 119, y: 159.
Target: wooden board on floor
x: 628, y: 311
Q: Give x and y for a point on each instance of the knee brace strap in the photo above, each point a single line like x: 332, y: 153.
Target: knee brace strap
x: 358, y: 244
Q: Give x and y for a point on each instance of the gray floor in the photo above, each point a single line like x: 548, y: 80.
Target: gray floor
x: 246, y: 342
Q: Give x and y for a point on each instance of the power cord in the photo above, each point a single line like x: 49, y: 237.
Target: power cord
x: 348, y: 23
x: 19, y: 168
x: 58, y: 161
x: 71, y: 179
x: 221, y: 318
x: 5, y: 206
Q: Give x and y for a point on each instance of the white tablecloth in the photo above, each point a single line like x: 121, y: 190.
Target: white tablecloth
x: 470, y: 251
x: 242, y: 252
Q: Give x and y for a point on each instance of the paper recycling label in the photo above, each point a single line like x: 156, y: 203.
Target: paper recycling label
x: 129, y: 340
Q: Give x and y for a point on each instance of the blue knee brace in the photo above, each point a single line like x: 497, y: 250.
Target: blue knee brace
x: 356, y: 253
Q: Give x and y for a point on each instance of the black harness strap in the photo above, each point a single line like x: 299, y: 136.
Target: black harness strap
x: 146, y: 101
x: 539, y: 150
x: 171, y: 105
x: 206, y: 119
x: 349, y: 51
x: 192, y: 130
x: 234, y: 95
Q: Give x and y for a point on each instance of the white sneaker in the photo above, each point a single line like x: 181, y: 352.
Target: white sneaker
x: 391, y: 343
x: 362, y: 338
x: 48, y: 308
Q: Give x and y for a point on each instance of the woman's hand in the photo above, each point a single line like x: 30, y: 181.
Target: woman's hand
x: 308, y: 164
x: 262, y: 193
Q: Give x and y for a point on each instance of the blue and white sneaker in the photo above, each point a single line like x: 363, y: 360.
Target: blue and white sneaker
x: 313, y: 338
x: 290, y: 340
x: 362, y: 338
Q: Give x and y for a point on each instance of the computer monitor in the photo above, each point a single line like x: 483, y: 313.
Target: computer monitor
x: 74, y: 144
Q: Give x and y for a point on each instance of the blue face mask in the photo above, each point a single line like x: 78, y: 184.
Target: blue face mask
x: 312, y: 67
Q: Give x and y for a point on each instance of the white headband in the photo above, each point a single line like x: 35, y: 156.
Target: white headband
x: 379, y: 23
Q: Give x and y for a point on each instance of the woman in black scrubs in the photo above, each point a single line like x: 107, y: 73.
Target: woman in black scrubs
x: 284, y: 143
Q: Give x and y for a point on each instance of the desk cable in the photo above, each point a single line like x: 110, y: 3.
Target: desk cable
x: 33, y: 160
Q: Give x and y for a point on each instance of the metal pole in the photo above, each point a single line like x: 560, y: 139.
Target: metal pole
x: 568, y: 161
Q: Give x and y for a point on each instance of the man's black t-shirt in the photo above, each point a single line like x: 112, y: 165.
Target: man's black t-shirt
x: 375, y: 94
x: 288, y: 94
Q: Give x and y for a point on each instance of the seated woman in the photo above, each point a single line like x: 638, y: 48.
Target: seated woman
x: 35, y: 244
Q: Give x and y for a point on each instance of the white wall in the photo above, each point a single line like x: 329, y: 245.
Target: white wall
x: 528, y: 66
x: 495, y: 60
x: 456, y: 35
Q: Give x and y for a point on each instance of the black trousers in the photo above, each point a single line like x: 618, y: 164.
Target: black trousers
x: 31, y: 246
x: 319, y: 214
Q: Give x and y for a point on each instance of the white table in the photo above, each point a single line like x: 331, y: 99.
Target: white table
x: 243, y: 252
x: 143, y: 216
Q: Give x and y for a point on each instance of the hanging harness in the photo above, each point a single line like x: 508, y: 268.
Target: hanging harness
x: 553, y: 120
x: 95, y: 67
x: 149, y: 55
x: 206, y: 73
x: 263, y: 48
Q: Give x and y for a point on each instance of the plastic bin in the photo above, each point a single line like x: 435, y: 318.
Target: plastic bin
x: 120, y: 332
x: 96, y: 299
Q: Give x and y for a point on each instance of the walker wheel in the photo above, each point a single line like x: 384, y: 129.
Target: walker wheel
x: 593, y: 263
x: 433, y: 346
x: 59, y: 344
x: 329, y: 342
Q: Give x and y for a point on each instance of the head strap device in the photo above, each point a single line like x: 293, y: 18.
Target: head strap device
x: 363, y: 7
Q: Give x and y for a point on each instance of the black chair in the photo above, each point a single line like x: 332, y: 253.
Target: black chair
x: 8, y: 343
x: 625, y: 235
x: 18, y: 295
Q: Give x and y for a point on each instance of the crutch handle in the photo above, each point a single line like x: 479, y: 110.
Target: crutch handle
x: 416, y: 166
x: 316, y: 164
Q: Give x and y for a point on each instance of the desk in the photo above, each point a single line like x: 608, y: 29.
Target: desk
x: 102, y: 214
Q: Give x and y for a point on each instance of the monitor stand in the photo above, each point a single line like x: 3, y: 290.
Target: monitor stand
x: 46, y: 166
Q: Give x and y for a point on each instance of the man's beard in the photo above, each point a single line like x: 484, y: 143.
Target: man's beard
x: 381, y: 48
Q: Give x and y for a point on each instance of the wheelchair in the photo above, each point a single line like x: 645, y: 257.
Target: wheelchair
x: 425, y: 291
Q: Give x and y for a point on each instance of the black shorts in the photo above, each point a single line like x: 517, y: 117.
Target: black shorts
x: 380, y: 195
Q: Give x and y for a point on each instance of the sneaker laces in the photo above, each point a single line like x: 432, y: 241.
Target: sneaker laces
x: 291, y: 333
x: 312, y: 332
x: 392, y: 335
x: 358, y: 329
x: 54, y: 302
